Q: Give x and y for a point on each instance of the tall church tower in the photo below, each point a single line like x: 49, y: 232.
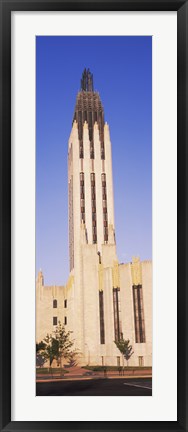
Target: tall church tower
x: 91, y: 202
x: 103, y: 300
x: 91, y: 206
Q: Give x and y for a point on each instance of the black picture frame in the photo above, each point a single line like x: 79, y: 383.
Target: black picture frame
x: 6, y: 7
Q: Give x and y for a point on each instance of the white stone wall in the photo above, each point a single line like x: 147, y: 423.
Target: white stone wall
x: 95, y: 277
x: 85, y: 275
x: 77, y: 304
x: 98, y: 182
x: 109, y: 176
x: 98, y: 166
x: 127, y: 307
x: 44, y: 308
x: 87, y: 172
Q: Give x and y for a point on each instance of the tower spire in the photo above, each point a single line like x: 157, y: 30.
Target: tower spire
x: 87, y: 81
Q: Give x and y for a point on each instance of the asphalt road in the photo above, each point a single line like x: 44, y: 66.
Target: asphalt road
x: 96, y: 387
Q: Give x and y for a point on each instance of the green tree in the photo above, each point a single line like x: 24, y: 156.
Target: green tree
x: 48, y: 348
x: 40, y: 346
x: 63, y: 342
x: 125, y: 348
x: 56, y: 346
x: 40, y: 360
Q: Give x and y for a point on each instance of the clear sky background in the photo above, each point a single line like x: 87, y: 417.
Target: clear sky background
x: 122, y: 71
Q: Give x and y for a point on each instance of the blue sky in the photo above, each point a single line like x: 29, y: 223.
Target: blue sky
x: 122, y: 70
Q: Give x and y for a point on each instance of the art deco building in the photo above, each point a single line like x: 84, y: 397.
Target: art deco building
x: 103, y: 300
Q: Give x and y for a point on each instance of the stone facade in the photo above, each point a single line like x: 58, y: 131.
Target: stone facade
x: 99, y: 278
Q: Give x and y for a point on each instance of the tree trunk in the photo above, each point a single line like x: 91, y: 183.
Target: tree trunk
x: 61, y: 365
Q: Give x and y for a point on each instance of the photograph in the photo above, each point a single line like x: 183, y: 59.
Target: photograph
x: 93, y: 293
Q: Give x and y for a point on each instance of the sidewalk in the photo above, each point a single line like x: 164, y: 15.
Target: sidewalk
x: 78, y: 373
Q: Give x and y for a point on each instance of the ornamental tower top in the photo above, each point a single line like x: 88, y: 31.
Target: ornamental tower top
x: 91, y: 202
x: 87, y: 80
x: 89, y: 109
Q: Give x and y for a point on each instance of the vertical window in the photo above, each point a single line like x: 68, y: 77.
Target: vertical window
x: 141, y: 361
x: 80, y: 135
x: 65, y: 303
x: 54, y: 320
x: 93, y: 209
x: 117, y: 321
x: 138, y: 314
x: 81, y: 150
x: 82, y: 197
x: 54, y: 303
x: 118, y: 361
x: 65, y: 320
x: 92, y: 153
x: 102, y: 151
x: 104, y: 205
x: 101, y: 315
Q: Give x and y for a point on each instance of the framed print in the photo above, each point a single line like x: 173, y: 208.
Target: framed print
x: 93, y: 116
